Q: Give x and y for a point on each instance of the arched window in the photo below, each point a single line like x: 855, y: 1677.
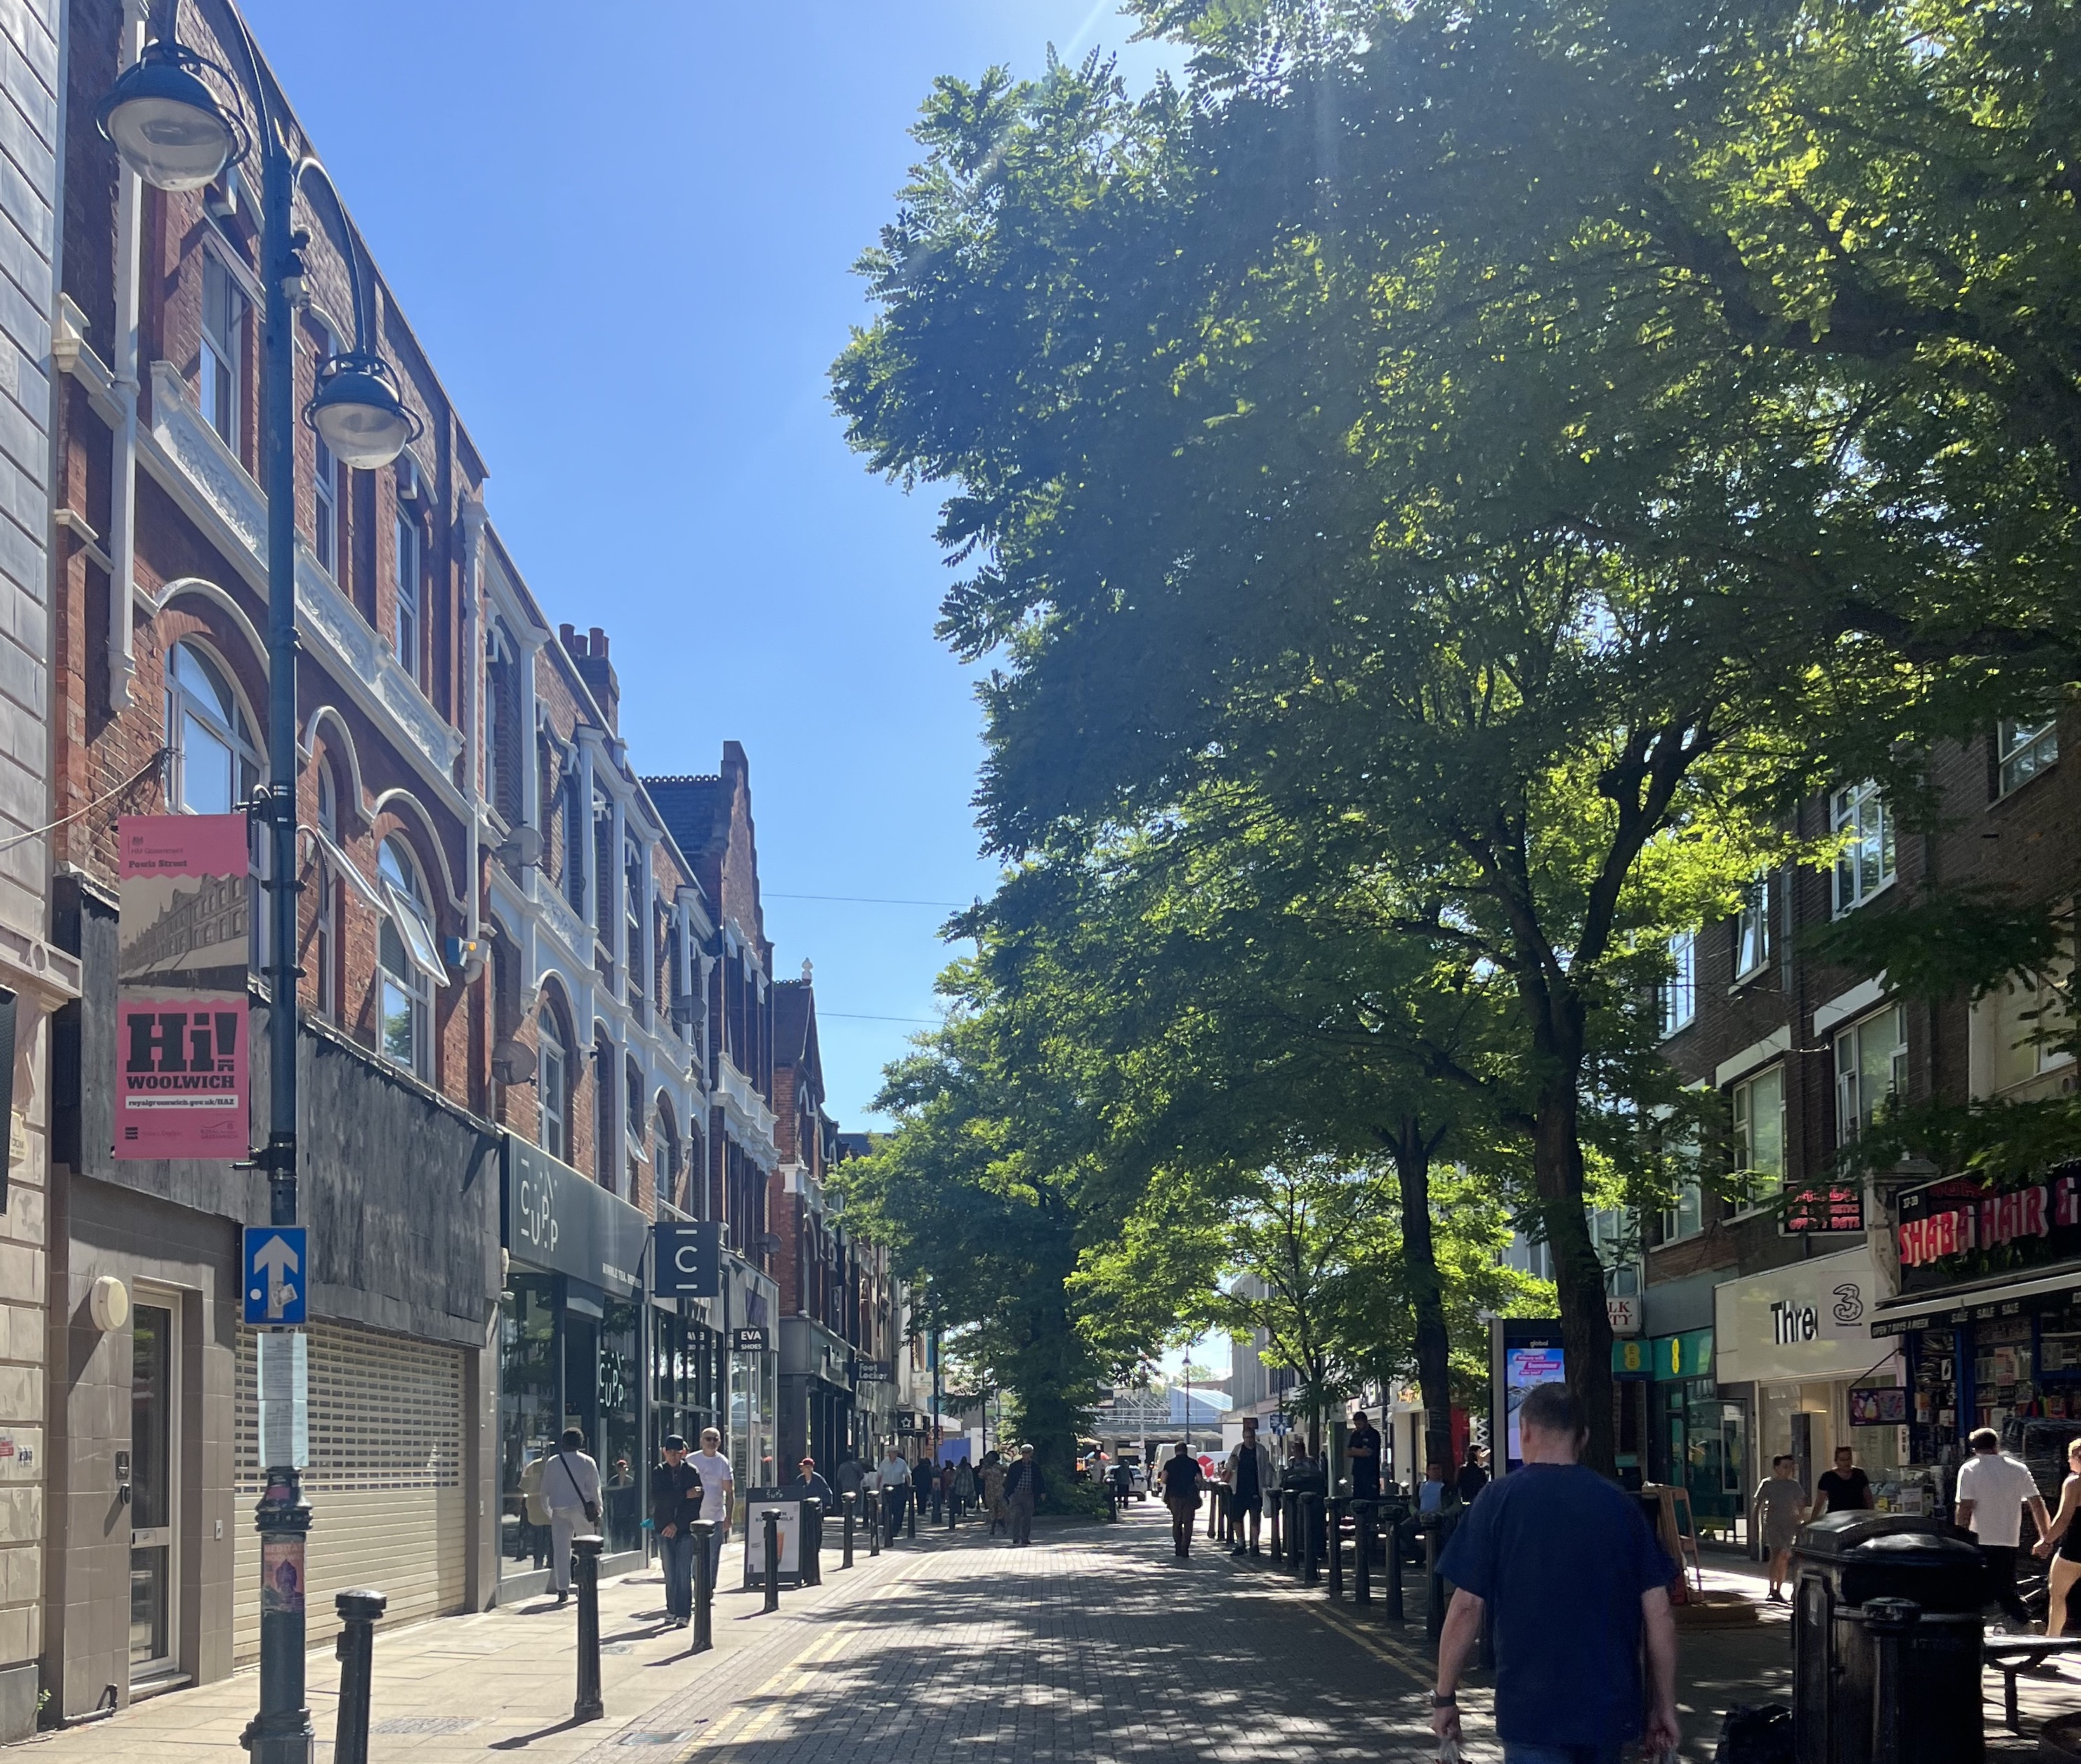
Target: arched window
x: 410, y: 964
x: 666, y: 1163
x: 606, y: 1152
x: 216, y: 762
x: 636, y: 1117
x: 325, y: 938
x: 553, y: 1078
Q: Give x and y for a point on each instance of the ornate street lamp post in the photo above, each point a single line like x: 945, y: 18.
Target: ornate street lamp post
x: 171, y: 130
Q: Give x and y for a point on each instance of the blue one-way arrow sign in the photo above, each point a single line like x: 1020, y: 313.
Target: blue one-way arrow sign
x: 275, y: 1274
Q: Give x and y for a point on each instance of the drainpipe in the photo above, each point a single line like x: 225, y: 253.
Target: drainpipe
x: 473, y: 694
x: 123, y: 477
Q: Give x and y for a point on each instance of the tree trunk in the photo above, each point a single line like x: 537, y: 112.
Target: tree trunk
x: 1578, y: 1275
x: 1419, y: 1252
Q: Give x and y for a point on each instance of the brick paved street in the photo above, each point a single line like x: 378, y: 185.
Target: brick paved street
x: 1093, y: 1644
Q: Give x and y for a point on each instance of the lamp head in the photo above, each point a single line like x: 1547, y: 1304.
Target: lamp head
x: 358, y: 414
x: 167, y: 125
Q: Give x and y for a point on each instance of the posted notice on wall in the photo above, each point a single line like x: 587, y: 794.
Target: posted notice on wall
x: 181, y: 1028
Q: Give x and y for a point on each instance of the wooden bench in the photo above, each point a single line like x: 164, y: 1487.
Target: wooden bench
x: 2010, y: 1655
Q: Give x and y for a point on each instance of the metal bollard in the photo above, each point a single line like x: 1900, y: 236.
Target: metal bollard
x: 813, y: 1542
x: 874, y: 1525
x: 1275, y: 1504
x: 1311, y: 1550
x: 850, y: 1500
x: 1434, y: 1602
x: 1395, y: 1613
x: 1364, y: 1514
x: 356, y: 1653
x: 911, y: 1515
x: 950, y: 1510
x: 585, y: 1559
x: 704, y: 1531
x: 770, y: 1517
x: 1290, y: 1503
x: 1334, y: 1537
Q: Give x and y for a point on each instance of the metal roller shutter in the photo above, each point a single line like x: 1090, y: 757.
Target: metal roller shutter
x: 386, y: 1478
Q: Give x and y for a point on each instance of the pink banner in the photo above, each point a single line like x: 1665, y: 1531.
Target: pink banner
x: 181, y: 1027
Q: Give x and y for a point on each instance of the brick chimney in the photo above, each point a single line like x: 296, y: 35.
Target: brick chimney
x: 588, y: 654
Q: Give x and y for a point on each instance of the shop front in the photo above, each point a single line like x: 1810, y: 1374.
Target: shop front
x: 1988, y: 1321
x: 1796, y: 1354
x: 1694, y: 1437
x: 574, y: 1336
x: 750, y: 1301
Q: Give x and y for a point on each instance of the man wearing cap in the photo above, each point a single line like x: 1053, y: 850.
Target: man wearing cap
x: 675, y: 1503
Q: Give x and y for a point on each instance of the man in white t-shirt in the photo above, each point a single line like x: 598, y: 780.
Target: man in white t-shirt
x: 895, y: 1476
x: 1993, y: 1489
x: 718, y: 1487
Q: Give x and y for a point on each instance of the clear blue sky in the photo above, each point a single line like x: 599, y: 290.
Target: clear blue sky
x: 624, y: 232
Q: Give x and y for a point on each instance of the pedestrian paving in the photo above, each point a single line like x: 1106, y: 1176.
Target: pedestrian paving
x: 1094, y: 1642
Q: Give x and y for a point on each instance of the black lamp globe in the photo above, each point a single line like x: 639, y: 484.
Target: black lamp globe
x: 359, y: 415
x: 166, y: 125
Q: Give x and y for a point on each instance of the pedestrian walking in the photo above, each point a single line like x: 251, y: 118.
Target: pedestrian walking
x: 1995, y: 1487
x: 535, y: 1508
x: 847, y: 1478
x: 675, y: 1503
x: 993, y: 1473
x: 965, y: 1488
x: 1363, y: 1449
x: 1575, y: 1581
x: 1249, y: 1474
x: 923, y: 1477
x: 942, y: 1486
x: 1780, y: 1504
x: 1474, y: 1475
x: 1022, y: 1489
x: 570, y: 1484
x: 1844, y: 1488
x: 809, y: 1486
x: 895, y: 1476
x: 1181, y: 1494
x: 718, y: 1494
x: 2062, y: 1542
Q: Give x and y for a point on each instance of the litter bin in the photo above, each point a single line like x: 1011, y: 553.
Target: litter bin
x: 1851, y: 1640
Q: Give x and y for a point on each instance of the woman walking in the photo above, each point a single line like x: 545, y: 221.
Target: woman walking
x: 2066, y: 1567
x: 993, y: 1488
x: 1181, y: 1494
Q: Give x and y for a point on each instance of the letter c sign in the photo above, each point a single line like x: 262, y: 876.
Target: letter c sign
x: 686, y: 1259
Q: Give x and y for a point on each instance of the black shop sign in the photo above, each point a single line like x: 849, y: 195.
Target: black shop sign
x: 558, y: 1221
x: 1963, y: 1228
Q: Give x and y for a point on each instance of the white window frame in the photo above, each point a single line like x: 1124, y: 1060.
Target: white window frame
x: 1679, y: 991
x: 1865, y: 865
x: 1853, y: 1108
x: 405, y: 977
x: 325, y: 507
x: 326, y: 937
x: 406, y: 579
x: 1752, y: 931
x: 2024, y: 750
x: 221, y: 372
x: 553, y: 1090
x: 1743, y: 1097
x: 184, y: 704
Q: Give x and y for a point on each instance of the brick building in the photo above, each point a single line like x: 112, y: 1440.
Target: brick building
x: 1773, y: 1289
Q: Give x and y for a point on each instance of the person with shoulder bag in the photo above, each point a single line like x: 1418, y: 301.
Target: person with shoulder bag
x: 570, y: 1484
x: 1181, y: 1494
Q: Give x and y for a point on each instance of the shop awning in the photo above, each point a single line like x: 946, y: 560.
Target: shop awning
x: 1911, y: 1310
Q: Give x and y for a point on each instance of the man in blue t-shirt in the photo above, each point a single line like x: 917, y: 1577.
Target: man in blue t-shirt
x: 1574, y: 1578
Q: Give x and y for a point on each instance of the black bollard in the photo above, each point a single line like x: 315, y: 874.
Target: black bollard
x: 356, y: 1653
x: 1434, y: 1602
x: 1362, y: 1528
x: 1395, y: 1613
x: 1334, y: 1539
x: 950, y: 1509
x: 1275, y: 1504
x: 1311, y: 1550
x: 850, y: 1500
x: 585, y: 1559
x: 704, y: 1531
x: 1297, y: 1533
x: 910, y: 1514
x: 813, y: 1543
x: 874, y: 1525
x: 771, y: 1518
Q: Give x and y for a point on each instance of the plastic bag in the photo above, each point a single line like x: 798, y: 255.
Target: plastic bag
x: 1449, y: 1752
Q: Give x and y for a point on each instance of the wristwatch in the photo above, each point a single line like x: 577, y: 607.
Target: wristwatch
x: 1448, y: 1701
